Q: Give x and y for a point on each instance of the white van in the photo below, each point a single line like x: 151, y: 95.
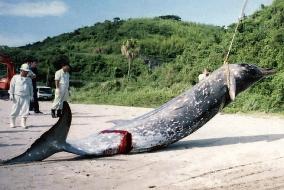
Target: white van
x: 44, y: 93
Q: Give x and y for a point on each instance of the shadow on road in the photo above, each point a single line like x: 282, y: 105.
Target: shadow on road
x: 3, y: 145
x: 223, y: 141
x: 14, y: 131
x: 33, y: 126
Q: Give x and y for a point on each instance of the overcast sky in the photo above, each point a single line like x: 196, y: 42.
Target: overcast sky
x: 28, y: 21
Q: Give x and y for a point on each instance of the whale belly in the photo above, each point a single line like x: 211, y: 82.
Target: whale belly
x: 105, y: 143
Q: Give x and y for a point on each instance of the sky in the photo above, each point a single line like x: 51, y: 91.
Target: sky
x: 28, y: 21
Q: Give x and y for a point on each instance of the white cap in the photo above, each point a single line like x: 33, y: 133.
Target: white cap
x: 25, y: 67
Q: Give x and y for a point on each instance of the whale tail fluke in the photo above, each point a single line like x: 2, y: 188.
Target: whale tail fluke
x: 52, y: 141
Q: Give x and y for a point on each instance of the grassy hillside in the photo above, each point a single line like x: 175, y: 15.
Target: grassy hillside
x: 171, y: 55
x: 261, y: 41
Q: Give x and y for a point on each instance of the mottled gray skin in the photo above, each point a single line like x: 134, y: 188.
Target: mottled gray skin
x: 163, y: 126
x: 191, y: 110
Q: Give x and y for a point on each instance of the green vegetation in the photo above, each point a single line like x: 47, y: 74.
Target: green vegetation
x: 167, y: 57
x: 130, y: 50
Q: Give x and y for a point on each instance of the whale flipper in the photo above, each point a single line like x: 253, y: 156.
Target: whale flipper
x: 52, y: 141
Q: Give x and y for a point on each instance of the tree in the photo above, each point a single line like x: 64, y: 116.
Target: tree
x: 170, y: 17
x: 130, y: 50
x: 262, y: 6
x: 116, y: 19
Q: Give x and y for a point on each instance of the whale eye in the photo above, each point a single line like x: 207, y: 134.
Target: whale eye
x: 243, y: 65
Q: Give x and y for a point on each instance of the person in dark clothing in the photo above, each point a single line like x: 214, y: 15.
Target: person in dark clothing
x: 34, y: 106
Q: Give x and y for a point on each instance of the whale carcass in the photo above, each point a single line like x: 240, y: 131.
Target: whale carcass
x: 159, y: 128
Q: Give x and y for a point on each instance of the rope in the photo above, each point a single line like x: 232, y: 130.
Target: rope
x: 231, y: 44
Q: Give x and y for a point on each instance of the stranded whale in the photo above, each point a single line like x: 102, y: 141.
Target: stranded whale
x: 159, y: 128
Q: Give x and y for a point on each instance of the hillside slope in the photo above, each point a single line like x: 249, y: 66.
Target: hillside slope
x: 171, y: 55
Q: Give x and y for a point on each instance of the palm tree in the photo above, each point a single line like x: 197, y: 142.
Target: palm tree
x: 130, y: 50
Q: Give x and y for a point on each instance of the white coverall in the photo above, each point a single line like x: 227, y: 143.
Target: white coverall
x: 21, y: 93
x: 61, y: 93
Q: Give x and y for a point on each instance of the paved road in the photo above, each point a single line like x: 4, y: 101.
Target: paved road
x: 229, y: 152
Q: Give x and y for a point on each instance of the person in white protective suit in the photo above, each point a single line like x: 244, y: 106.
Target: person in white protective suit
x: 62, y: 87
x: 21, y: 93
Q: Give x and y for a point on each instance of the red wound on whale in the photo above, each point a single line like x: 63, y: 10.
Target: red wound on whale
x: 126, y: 140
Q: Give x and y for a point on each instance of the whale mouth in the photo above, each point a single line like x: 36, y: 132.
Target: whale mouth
x: 268, y: 72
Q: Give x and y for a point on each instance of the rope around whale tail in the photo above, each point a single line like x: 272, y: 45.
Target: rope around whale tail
x: 226, y: 64
x: 51, y: 142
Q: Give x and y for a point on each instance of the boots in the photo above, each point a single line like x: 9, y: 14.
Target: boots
x: 59, y: 113
x: 13, y: 122
x: 24, y: 122
x: 53, y: 115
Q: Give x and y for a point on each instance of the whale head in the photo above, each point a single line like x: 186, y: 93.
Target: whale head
x: 242, y: 76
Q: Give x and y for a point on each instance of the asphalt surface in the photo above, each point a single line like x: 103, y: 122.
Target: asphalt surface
x: 229, y: 152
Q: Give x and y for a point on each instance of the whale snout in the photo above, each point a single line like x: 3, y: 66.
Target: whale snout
x: 267, y: 72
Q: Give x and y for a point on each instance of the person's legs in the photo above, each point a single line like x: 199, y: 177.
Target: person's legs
x: 56, y: 103
x: 36, y: 106
x: 65, y: 97
x: 12, y: 122
x: 15, y: 111
x: 35, y: 103
x: 24, y: 122
x: 31, y: 106
x: 24, y: 111
x: 53, y: 114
